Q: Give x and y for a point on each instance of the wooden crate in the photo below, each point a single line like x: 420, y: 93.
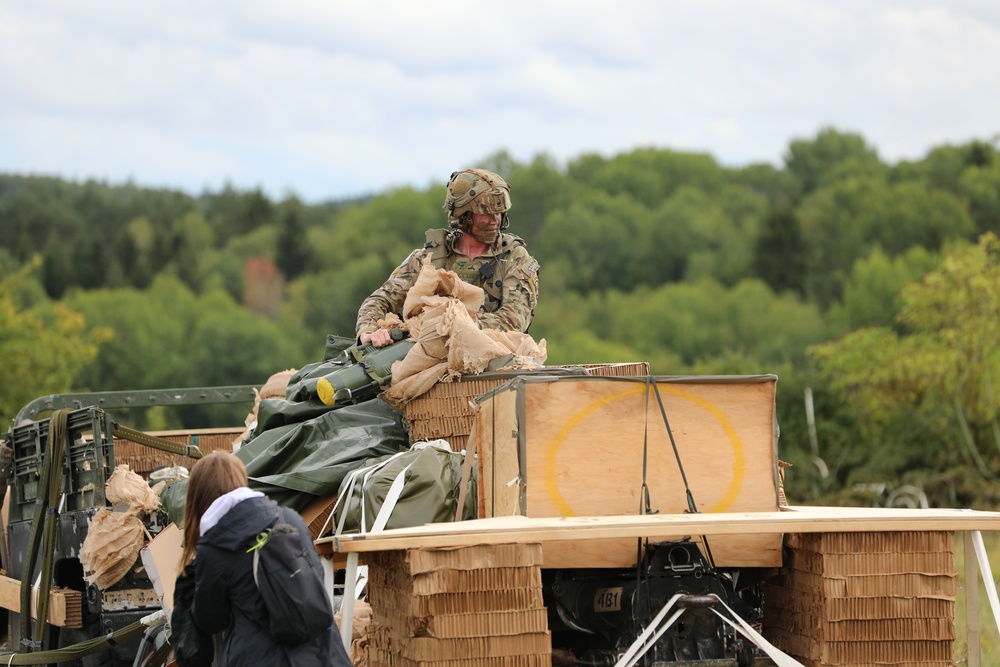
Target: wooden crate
x: 584, y: 446
x: 448, y: 411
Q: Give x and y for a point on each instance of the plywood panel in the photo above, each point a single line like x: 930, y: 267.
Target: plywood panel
x: 587, y: 440
x: 500, y: 479
x: 591, y: 444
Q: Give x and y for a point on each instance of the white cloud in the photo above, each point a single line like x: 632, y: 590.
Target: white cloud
x: 338, y: 99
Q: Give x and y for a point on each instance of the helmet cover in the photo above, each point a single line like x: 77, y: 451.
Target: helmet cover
x: 476, y: 191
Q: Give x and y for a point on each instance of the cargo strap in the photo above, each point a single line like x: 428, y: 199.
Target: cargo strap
x: 191, y: 451
x: 84, y: 648
x: 776, y: 655
x: 43, y: 531
x: 351, y: 481
x: 651, y: 633
x: 351, y: 576
x: 644, y: 503
x: 692, y: 508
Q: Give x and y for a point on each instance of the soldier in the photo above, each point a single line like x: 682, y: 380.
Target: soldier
x: 476, y: 249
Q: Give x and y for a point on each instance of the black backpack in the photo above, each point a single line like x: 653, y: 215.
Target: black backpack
x: 298, y: 606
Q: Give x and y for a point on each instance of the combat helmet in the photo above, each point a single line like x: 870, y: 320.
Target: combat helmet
x: 476, y: 191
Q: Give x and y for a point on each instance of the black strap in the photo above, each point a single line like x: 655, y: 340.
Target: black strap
x: 692, y: 508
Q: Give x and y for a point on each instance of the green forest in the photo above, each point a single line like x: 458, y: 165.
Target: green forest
x: 872, y: 290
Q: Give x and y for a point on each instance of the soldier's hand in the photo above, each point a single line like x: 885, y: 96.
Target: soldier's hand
x: 377, y: 338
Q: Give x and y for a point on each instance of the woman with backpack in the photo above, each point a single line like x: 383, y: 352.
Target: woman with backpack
x: 224, y: 523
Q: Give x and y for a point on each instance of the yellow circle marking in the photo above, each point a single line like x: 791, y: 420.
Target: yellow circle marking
x: 550, y: 458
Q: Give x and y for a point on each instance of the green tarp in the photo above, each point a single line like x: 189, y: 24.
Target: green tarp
x: 308, y: 450
x: 295, y: 462
x: 302, y: 449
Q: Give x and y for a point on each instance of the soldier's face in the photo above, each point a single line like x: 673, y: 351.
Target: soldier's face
x: 484, y: 227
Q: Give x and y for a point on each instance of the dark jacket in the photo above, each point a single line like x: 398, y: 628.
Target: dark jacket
x: 226, y: 598
x: 192, y: 646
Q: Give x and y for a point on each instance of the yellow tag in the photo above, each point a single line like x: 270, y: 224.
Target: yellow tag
x: 608, y: 599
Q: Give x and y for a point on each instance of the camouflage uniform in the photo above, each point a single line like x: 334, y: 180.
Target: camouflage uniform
x: 508, y: 275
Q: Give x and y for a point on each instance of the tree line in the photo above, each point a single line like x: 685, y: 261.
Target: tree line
x: 836, y: 271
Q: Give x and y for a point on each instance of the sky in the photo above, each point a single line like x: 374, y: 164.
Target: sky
x: 325, y: 99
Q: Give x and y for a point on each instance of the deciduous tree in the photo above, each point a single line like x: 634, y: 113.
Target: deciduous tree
x: 812, y: 161
x: 43, y: 344
x: 942, y: 371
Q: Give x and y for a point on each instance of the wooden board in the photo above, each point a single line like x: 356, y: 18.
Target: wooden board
x: 498, y: 463
x: 586, y: 447
x: 65, y: 605
x: 317, y: 513
x: 514, y: 529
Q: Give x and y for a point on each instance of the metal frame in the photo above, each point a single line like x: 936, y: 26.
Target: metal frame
x: 137, y: 398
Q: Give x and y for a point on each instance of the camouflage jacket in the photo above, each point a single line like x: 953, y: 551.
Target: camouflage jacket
x: 508, y: 275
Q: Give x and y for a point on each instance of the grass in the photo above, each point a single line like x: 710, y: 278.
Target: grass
x: 989, y: 636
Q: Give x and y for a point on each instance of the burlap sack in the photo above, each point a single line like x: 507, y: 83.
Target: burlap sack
x: 431, y: 337
x: 125, y: 486
x: 527, y: 352
x: 113, y: 542
x: 433, y: 282
x: 359, y: 632
x: 449, y: 343
x: 470, y: 349
x: 276, y: 385
x: 416, y: 362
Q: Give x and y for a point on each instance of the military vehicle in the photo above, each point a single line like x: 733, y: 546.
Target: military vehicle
x: 57, y: 475
x: 55, y: 484
x: 57, y: 478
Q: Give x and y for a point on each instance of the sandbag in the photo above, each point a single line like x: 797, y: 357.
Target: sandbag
x: 432, y: 283
x: 441, y: 316
x: 275, y: 387
x: 113, y: 542
x: 360, y: 621
x: 125, y: 486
